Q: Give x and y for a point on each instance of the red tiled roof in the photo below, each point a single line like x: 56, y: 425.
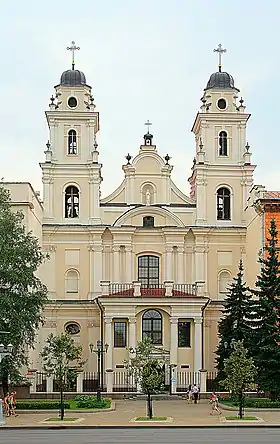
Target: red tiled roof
x: 272, y: 195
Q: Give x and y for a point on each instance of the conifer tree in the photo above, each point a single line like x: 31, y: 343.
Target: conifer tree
x: 265, y: 343
x: 234, y: 325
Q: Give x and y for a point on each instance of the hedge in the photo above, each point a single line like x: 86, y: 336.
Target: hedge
x: 40, y: 405
x: 91, y: 402
x: 254, y: 403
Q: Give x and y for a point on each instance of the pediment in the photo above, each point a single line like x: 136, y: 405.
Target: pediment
x: 162, y: 217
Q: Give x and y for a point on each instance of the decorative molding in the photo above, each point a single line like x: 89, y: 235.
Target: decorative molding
x: 132, y: 320
x: 173, y: 320
x: 108, y: 319
x: 197, y: 320
x: 50, y: 324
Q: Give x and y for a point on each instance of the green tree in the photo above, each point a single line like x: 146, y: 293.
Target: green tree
x: 147, y: 370
x: 22, y: 294
x: 240, y: 372
x: 235, y: 324
x: 62, y: 358
x: 265, y: 338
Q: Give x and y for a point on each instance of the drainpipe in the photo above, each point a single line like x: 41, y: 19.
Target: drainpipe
x: 202, y: 333
x: 101, y: 311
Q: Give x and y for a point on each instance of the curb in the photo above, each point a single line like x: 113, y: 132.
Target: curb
x: 145, y: 426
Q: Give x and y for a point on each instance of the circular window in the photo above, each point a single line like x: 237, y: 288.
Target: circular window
x: 72, y: 328
x: 72, y: 102
x: 222, y: 104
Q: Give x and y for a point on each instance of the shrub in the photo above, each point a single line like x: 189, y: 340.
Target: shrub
x: 254, y: 403
x: 91, y: 402
x: 40, y: 405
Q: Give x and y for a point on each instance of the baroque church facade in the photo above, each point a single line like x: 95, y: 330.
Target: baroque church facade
x: 147, y: 260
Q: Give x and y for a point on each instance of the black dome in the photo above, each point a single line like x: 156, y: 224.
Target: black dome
x: 221, y: 80
x: 73, y: 77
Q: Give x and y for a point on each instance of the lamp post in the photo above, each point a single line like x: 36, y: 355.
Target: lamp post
x: 98, y: 349
x: 4, y: 352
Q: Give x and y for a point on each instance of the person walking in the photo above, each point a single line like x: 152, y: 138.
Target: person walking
x: 214, y: 400
x: 195, y: 391
x: 6, y: 404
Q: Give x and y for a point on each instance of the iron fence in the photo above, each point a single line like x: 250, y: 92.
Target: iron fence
x: 90, y: 381
x: 185, y: 379
x: 41, y: 382
x: 123, y: 382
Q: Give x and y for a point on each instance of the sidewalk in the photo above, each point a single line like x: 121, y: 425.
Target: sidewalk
x: 184, y: 414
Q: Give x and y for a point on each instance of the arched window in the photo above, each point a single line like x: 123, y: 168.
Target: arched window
x: 148, y: 271
x: 72, y: 281
x: 223, y: 148
x: 224, y: 280
x: 72, y: 142
x: 71, y: 202
x: 152, y: 326
x: 223, y: 204
x: 148, y: 222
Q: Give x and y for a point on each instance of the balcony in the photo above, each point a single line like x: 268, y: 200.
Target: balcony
x: 167, y: 289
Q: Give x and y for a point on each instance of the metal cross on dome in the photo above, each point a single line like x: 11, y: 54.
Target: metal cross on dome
x: 148, y: 123
x: 220, y: 51
x: 73, y: 48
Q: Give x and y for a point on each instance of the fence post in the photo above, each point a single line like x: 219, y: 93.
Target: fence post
x: 203, y: 377
x: 49, y: 384
x: 80, y: 378
x: 109, y: 380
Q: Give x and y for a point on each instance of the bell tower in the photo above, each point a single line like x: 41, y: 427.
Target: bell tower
x: 222, y: 174
x: 71, y: 172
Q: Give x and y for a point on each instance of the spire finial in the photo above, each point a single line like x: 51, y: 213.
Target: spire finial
x: 73, y: 48
x: 148, y: 123
x: 220, y: 51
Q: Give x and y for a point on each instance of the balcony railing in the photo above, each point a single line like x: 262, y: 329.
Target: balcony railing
x: 167, y: 289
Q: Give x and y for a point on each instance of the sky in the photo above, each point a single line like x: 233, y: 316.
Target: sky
x: 148, y: 59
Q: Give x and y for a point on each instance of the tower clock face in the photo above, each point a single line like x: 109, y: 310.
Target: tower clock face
x: 72, y: 102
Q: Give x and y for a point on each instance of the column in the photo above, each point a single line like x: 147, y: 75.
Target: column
x: 168, y: 263
x: 173, y: 352
x: 199, y: 262
x: 109, y: 355
x: 197, y: 344
x: 116, y: 263
x: 80, y: 383
x: 49, y: 384
x: 180, y: 265
x: 203, y: 381
x: 97, y: 267
x: 132, y: 333
x: 128, y: 264
x: 108, y: 340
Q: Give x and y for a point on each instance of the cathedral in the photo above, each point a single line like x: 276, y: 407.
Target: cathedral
x: 147, y: 260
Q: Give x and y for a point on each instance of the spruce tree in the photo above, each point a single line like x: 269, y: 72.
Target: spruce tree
x: 265, y: 343
x: 234, y: 325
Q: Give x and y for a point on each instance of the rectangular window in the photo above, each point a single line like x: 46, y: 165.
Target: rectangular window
x: 119, y: 334
x: 184, y: 334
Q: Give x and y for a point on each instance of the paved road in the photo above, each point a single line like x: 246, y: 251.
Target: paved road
x: 138, y: 436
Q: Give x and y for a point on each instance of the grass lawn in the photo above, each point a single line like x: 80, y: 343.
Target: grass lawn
x: 245, y: 418
x: 154, y: 418
x: 65, y: 419
x: 33, y: 404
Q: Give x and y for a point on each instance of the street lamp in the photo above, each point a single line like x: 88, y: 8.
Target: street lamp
x: 98, y: 349
x: 231, y: 345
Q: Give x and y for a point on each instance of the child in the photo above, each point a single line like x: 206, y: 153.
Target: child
x: 214, y: 400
